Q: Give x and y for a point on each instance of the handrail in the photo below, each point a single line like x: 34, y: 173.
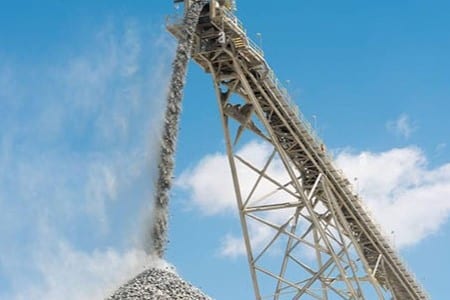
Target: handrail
x: 177, y: 19
x: 229, y: 15
x: 362, y: 205
x: 282, y: 93
x: 255, y: 47
x: 295, y: 110
x: 284, y: 98
x: 234, y: 19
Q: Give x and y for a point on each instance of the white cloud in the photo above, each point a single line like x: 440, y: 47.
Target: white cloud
x: 402, y: 126
x: 209, y: 187
x: 77, y: 142
x: 406, y: 196
x: 232, y: 246
x: 209, y: 184
x: 67, y: 273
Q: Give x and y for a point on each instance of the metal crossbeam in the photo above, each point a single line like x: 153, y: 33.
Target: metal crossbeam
x: 320, y: 242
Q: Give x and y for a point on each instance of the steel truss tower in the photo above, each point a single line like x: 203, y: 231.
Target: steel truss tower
x: 319, y: 242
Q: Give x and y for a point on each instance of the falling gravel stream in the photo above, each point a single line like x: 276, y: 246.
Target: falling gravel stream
x: 170, y: 130
x: 157, y: 283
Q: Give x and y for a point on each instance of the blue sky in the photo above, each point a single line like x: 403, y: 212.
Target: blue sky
x: 82, y: 88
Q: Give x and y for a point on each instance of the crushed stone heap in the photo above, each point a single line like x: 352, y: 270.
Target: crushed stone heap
x: 156, y: 284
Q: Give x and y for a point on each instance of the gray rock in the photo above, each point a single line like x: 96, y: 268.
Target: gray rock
x: 157, y: 284
x: 158, y: 232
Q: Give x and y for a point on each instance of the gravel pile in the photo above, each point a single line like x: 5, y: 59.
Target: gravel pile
x: 156, y: 284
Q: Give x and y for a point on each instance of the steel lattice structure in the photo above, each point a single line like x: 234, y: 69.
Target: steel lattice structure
x: 327, y: 245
